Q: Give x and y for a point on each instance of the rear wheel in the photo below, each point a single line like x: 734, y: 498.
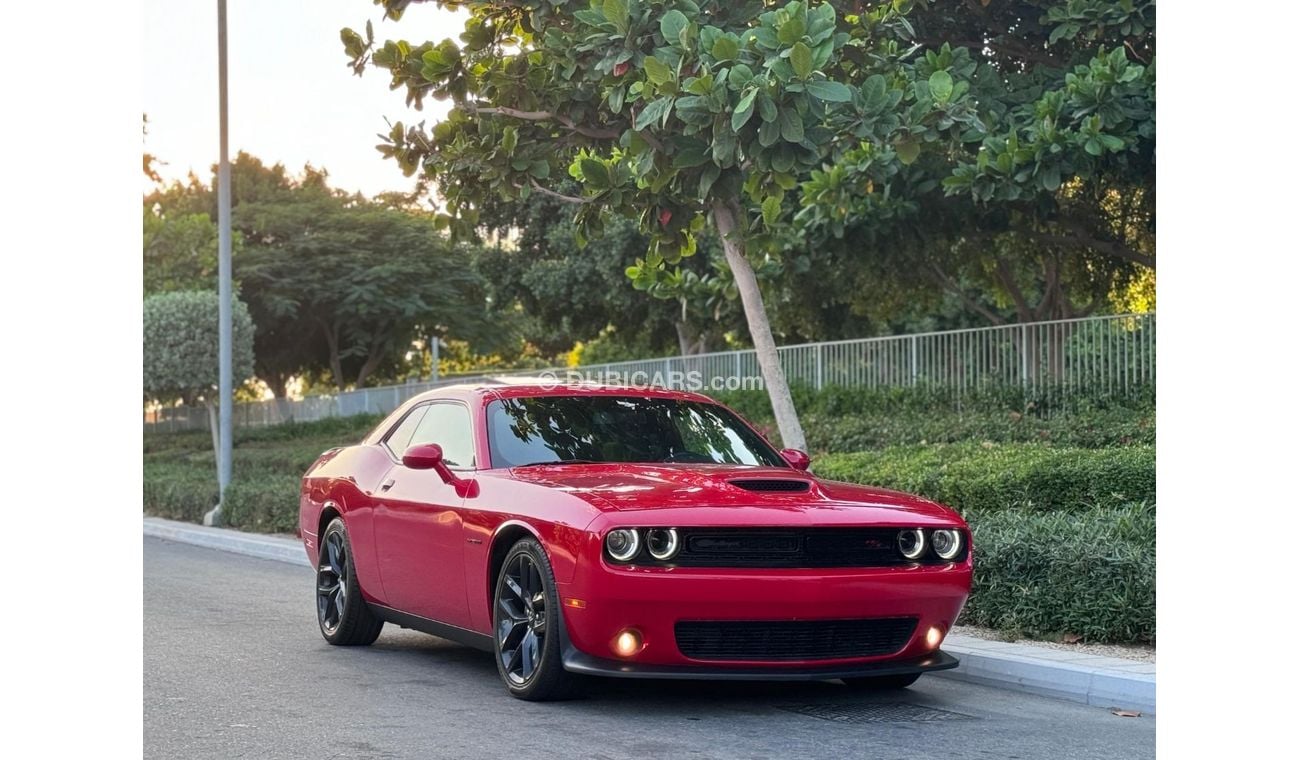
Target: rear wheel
x: 526, y: 626
x: 882, y: 683
x: 345, y: 618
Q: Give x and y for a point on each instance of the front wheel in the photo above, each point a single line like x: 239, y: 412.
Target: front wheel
x: 526, y: 626
x: 345, y: 618
x: 882, y: 683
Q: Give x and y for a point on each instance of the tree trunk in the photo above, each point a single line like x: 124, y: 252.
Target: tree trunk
x: 727, y: 215
x: 214, y: 427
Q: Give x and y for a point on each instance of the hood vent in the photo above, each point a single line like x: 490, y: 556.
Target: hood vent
x: 768, y: 485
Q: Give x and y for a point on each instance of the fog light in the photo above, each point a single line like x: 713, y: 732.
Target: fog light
x: 627, y: 643
x: 933, y: 637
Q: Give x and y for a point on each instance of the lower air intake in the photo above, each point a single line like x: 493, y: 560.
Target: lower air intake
x: 774, y: 640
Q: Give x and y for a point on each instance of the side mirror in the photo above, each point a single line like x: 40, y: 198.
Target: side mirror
x: 428, y: 456
x: 423, y: 457
x: 796, y: 459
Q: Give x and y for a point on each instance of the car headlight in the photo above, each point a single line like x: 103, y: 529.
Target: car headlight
x: 947, y: 543
x: 911, y: 542
x: 661, y: 542
x: 623, y: 543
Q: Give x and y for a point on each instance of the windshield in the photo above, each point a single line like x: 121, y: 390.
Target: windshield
x: 553, y: 429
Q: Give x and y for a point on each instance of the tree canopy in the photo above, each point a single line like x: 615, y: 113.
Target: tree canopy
x: 180, y: 345
x: 678, y: 114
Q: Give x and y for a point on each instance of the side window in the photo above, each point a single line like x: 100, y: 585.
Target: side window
x: 448, y: 426
x: 399, y: 440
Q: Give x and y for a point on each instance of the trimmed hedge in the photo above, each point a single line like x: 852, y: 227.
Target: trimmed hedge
x: 180, y: 479
x: 838, y: 420
x: 1090, y: 573
x: 973, y: 477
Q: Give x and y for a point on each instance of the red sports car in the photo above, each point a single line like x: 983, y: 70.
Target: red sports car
x: 595, y: 530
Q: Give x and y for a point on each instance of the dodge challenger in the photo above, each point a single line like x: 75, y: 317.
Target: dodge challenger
x: 589, y: 530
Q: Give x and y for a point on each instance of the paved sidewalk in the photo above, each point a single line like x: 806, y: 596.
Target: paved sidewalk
x: 1077, y: 677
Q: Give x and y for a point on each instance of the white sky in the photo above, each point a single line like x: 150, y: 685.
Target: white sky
x: 293, y: 99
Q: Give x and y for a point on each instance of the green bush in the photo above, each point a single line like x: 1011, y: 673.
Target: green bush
x: 180, y: 475
x: 1090, y: 573
x: 263, y: 502
x: 179, y: 491
x: 1044, y: 401
x: 974, y: 477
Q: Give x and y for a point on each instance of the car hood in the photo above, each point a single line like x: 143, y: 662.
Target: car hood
x: 676, y: 494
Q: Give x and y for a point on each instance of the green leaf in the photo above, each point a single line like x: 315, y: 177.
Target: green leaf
x: 831, y: 92
x: 594, y: 173
x: 691, y: 156
x: 657, y: 70
x: 791, y: 125
x: 766, y: 107
x: 616, y: 12
x: 801, y: 60
x: 771, y: 210
x: 708, y: 175
x: 908, y: 150
x: 791, y: 30
x: 741, y: 75
x: 744, y: 110
x: 671, y: 26
x: 768, y: 134
x: 941, y: 86
x: 1050, y: 178
x: 653, y: 112
x: 509, y: 139
x: 540, y: 169
x: 725, y: 48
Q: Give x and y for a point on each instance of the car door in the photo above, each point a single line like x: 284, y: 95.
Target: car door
x: 418, y: 534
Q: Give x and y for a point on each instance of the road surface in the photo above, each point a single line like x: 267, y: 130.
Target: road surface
x: 234, y: 667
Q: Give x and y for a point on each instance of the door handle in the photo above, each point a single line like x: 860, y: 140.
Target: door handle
x: 387, y: 484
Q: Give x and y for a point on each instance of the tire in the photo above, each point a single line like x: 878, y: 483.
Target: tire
x: 526, y: 627
x: 882, y: 683
x: 343, y: 615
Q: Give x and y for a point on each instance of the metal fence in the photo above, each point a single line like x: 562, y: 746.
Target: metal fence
x: 1110, y: 354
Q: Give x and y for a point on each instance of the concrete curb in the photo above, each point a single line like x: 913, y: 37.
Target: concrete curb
x: 1073, y: 676
x: 237, y: 542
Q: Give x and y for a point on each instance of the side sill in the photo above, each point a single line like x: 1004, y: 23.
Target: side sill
x: 454, y: 633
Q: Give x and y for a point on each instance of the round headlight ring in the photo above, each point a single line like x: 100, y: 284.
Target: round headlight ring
x: 662, y: 543
x: 623, y: 543
x: 947, y: 543
x: 911, y: 542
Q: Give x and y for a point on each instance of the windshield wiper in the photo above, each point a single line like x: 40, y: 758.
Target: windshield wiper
x: 559, y: 461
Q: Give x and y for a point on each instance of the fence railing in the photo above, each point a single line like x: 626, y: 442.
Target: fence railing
x: 1110, y: 354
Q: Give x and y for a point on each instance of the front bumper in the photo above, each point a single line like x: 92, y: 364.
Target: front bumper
x: 579, y: 662
x: 602, y: 600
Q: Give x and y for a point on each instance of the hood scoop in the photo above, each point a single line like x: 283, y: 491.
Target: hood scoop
x: 771, y: 485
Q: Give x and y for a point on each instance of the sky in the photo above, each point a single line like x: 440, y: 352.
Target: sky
x: 293, y: 98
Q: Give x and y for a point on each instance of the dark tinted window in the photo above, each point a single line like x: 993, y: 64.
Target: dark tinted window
x: 448, y: 426
x: 400, y: 439
x: 620, y: 429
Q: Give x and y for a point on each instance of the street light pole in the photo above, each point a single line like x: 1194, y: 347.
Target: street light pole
x: 225, y: 380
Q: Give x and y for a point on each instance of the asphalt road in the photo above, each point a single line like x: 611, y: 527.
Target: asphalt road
x: 234, y: 666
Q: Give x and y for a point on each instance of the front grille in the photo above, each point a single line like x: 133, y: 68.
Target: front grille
x: 771, y: 485
x: 786, y: 548
x: 775, y: 640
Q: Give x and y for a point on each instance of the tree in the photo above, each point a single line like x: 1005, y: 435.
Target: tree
x: 354, y: 284
x: 680, y: 114
x: 180, y: 348
x: 1047, y: 203
x: 539, y: 286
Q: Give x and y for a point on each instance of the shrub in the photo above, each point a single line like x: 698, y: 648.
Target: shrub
x: 974, y: 477
x: 179, y: 491
x: 1091, y: 573
x: 263, y: 502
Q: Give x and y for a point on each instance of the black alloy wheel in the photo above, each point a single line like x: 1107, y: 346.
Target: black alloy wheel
x: 345, y: 618
x: 526, y: 626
